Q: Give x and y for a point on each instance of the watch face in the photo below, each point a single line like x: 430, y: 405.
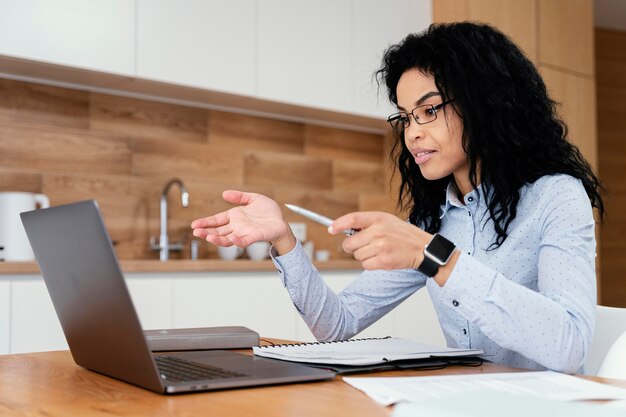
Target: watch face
x: 440, y: 249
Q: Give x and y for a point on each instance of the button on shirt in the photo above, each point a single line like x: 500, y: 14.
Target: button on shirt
x: 529, y: 303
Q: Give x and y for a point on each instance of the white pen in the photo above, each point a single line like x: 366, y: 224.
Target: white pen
x: 317, y: 217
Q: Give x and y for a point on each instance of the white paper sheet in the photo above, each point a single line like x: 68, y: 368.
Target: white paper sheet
x: 551, y: 385
x: 620, y: 405
x: 489, y: 403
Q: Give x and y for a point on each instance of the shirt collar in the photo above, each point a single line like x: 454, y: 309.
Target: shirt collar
x: 452, y: 199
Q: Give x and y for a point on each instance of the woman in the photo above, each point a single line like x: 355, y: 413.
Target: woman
x: 500, y: 210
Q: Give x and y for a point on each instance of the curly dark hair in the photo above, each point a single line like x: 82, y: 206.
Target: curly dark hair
x: 511, y: 131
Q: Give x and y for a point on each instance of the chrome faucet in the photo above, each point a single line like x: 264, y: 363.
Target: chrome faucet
x: 164, y: 246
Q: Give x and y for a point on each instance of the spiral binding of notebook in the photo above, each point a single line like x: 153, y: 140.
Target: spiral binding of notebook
x: 366, y: 351
x: 278, y: 345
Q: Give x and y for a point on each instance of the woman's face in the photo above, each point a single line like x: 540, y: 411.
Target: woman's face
x: 436, y: 146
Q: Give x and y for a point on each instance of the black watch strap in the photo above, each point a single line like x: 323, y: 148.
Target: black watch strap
x: 428, y: 267
x: 436, y: 253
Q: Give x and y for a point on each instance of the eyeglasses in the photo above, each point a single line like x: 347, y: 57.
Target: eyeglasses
x: 421, y: 114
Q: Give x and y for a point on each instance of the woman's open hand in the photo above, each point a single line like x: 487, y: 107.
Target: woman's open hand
x: 256, y: 218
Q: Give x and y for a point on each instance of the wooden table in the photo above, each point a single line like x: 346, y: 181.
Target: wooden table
x: 51, y: 384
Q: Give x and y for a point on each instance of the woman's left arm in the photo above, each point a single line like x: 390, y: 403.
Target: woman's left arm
x: 552, y: 325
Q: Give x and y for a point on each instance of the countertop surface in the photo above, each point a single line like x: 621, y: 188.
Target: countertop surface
x: 204, y: 265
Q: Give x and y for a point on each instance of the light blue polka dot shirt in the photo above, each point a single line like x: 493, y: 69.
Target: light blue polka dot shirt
x: 529, y: 303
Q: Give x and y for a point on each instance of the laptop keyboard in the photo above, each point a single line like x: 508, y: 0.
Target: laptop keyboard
x: 180, y: 370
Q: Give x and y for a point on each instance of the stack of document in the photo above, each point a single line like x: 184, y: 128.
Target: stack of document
x: 546, y: 384
x: 499, y: 404
x: 360, y: 351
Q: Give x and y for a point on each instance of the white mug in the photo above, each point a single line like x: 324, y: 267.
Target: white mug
x: 14, y: 245
x: 322, y: 255
x: 258, y: 251
x: 229, y: 253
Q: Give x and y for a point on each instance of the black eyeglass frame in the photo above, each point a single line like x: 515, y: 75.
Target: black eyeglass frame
x: 434, y: 107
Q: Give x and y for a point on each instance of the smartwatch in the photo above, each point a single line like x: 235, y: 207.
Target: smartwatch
x: 436, y: 253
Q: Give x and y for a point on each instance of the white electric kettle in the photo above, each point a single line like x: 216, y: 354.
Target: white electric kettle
x: 14, y: 244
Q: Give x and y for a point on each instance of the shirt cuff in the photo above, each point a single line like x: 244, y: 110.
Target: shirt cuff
x: 468, y: 286
x: 291, y: 264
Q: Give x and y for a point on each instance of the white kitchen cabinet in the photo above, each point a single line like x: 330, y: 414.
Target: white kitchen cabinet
x: 256, y: 300
x: 305, y: 53
x: 207, y: 44
x: 416, y: 319
x: 34, y: 323
x: 152, y: 295
x: 316, y: 54
x: 28, y: 322
x: 377, y: 25
x: 320, y: 55
x: 96, y: 34
x: 324, y: 54
x: 5, y: 315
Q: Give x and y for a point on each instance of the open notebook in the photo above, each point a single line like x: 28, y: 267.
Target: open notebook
x: 369, y: 351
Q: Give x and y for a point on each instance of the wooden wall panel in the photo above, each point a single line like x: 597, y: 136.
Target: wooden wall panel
x: 610, y: 59
x: 120, y: 151
x: 342, y: 144
x: 577, y: 97
x: 612, y: 118
x: 43, y: 105
x: 20, y: 181
x: 450, y: 10
x: 243, y: 132
x: 266, y: 168
x: 159, y: 157
x: 566, y: 35
x: 63, y: 150
x: 387, y: 199
x: 380, y: 202
x: 611, y: 75
x: 391, y: 179
x: 327, y: 203
x: 514, y: 17
x: 147, y: 119
x: 356, y: 176
x: 613, y: 288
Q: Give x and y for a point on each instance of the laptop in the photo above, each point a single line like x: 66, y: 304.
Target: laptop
x: 96, y: 312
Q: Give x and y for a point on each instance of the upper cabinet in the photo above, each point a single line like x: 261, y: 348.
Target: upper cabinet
x: 316, y: 55
x: 376, y: 26
x: 305, y: 52
x: 325, y: 53
x: 207, y: 44
x: 94, y: 35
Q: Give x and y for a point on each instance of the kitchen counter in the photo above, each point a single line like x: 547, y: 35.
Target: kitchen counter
x: 205, y: 265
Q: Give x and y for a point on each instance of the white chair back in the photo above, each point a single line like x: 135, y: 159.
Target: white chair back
x: 614, y: 363
x: 610, y: 324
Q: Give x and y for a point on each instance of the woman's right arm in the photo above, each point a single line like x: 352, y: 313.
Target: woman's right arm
x: 332, y: 316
